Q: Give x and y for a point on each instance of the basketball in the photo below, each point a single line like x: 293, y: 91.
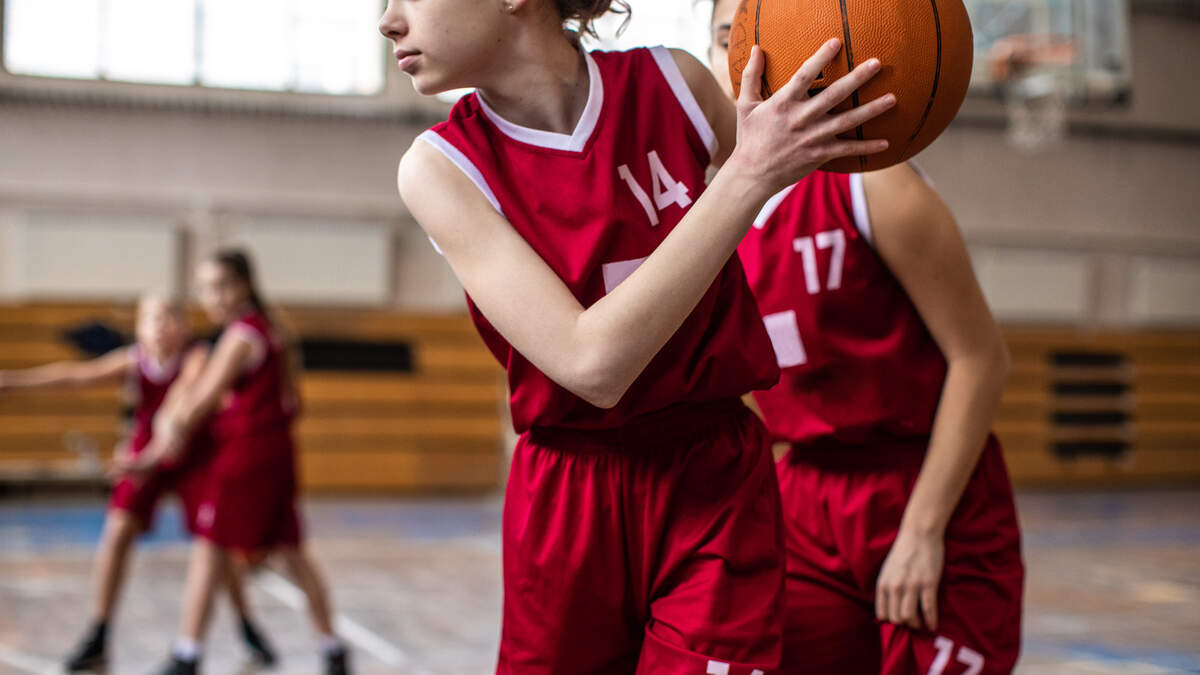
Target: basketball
x: 924, y: 46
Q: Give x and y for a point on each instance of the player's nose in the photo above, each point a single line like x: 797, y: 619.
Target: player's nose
x: 392, y: 25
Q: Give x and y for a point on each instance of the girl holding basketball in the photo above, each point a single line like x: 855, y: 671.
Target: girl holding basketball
x: 248, y: 501
x: 641, y: 521
x: 154, y: 366
x: 903, y: 550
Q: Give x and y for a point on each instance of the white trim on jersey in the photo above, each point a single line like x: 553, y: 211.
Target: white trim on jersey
x: 768, y: 209
x: 464, y: 164
x: 153, y: 370
x: 683, y: 93
x: 616, y: 272
x: 258, y: 345
x: 858, y: 204
x: 550, y: 139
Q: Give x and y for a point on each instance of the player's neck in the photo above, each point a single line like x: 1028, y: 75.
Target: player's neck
x: 548, y: 90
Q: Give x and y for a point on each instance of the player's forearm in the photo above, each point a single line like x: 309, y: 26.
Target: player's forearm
x: 51, y: 375
x: 970, y: 397
x: 625, y: 330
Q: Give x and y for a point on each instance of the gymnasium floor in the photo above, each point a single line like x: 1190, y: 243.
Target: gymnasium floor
x: 1113, y: 586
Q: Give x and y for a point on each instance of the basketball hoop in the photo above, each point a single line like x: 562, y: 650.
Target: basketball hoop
x: 1035, y: 76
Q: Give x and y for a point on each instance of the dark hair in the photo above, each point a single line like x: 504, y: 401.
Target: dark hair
x: 237, y: 263
x: 581, y: 13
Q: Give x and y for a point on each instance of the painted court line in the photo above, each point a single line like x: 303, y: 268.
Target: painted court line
x: 350, y: 630
x: 27, y: 663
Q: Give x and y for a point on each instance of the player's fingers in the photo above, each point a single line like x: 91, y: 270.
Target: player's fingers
x: 881, y: 602
x: 840, y: 148
x: 751, y: 92
x: 844, y: 86
x: 810, y: 70
x: 909, y: 612
x: 858, y: 116
x: 929, y: 606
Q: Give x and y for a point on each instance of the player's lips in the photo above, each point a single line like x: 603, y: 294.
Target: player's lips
x: 406, y: 57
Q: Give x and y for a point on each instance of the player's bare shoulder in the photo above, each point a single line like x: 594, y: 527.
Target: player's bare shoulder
x: 445, y: 202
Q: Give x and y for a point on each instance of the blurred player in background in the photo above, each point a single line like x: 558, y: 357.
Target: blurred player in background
x: 248, y: 500
x: 641, y: 521
x: 902, y: 539
x: 162, y: 357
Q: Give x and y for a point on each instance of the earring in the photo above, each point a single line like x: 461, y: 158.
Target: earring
x: 508, y: 7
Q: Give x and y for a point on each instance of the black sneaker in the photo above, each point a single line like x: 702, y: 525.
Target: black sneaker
x: 337, y: 662
x: 258, y: 646
x: 177, y: 666
x: 90, y: 654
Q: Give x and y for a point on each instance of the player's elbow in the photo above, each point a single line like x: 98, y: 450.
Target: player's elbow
x: 597, y: 379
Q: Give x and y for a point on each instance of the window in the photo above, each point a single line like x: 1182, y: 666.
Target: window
x: 309, y: 46
x: 680, y: 23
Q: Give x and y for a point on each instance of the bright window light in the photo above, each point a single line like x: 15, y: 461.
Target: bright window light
x: 671, y: 23
x: 311, y: 46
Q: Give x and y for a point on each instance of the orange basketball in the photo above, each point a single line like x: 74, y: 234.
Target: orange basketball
x: 924, y: 46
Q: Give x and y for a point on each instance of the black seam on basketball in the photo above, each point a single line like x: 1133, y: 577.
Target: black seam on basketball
x: 937, y: 72
x: 766, y: 88
x: 858, y: 131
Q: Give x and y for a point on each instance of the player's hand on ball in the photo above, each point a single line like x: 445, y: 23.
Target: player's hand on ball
x: 907, y: 590
x: 789, y: 135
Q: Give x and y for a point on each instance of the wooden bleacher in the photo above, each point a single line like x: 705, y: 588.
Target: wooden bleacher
x: 437, y: 428
x: 1157, y: 416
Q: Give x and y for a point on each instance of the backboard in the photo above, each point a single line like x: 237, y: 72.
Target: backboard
x: 1078, y: 47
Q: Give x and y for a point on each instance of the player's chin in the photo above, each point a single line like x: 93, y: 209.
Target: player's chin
x: 429, y: 83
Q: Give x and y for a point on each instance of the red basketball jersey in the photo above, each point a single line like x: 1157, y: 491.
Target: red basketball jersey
x: 857, y: 361
x: 260, y: 399
x: 149, y: 383
x: 594, y: 205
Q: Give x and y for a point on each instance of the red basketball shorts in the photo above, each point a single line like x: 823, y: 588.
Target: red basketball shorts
x: 654, y: 548
x: 249, y: 497
x: 139, y: 495
x: 842, y: 509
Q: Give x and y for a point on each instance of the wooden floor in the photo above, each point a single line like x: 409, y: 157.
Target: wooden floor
x: 1113, y: 586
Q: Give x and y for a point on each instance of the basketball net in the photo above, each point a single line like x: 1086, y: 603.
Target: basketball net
x: 1034, y: 73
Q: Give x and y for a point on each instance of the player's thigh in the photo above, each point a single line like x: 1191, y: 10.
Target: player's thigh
x: 565, y: 585
x: 717, y: 594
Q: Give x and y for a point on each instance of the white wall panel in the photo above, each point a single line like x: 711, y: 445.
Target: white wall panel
x: 318, y: 261
x: 95, y: 257
x: 1034, y: 285
x: 1164, y: 290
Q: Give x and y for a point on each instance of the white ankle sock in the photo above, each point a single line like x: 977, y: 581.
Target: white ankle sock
x: 329, y: 644
x: 186, y: 649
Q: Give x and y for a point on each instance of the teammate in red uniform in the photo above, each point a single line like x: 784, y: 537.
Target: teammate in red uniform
x: 248, y: 501
x: 641, y: 524
x: 151, y: 365
x: 902, y: 539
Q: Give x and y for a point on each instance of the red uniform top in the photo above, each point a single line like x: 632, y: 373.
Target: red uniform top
x: 594, y: 205
x: 858, y: 364
x: 149, y: 383
x: 260, y: 400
